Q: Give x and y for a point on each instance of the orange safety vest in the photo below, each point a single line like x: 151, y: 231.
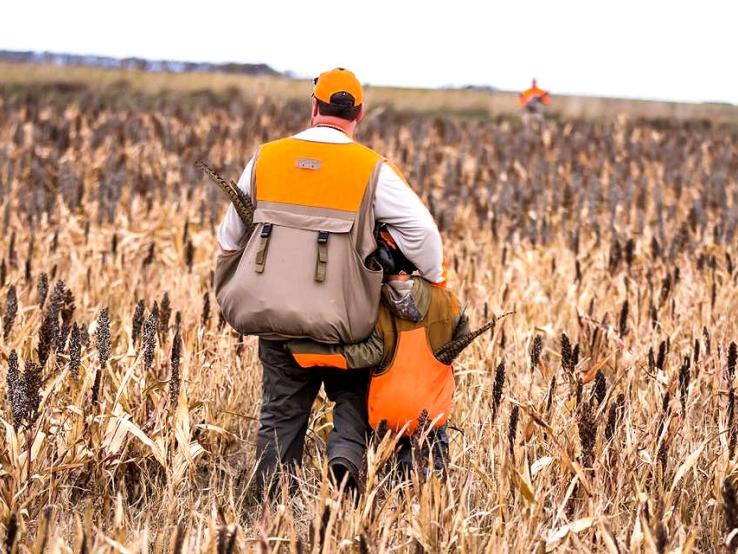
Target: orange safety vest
x: 414, y: 379
x: 527, y: 96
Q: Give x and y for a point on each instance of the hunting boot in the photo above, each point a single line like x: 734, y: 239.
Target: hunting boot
x: 345, y: 474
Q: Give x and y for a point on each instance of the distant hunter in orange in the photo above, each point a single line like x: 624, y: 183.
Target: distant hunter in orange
x: 532, y: 102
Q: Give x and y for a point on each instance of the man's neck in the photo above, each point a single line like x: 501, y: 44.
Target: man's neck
x: 330, y: 127
x: 335, y: 123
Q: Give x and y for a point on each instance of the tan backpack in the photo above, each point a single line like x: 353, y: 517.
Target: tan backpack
x: 303, y: 272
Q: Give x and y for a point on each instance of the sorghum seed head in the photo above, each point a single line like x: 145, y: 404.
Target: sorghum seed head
x: 732, y: 358
x: 103, y: 337
x: 566, y: 353
x: 684, y: 376
x: 535, y: 352
x: 137, y: 323
x: 49, y: 330
x: 11, y: 310
x: 730, y: 505
x: 205, y: 317
x: 661, y: 359
x: 498, y: 386
x: 174, y: 379
x: 42, y: 288
x: 587, y: 426
x: 75, y: 351
x: 15, y: 389
x: 149, y: 340
x: 600, y: 387
x: 513, y: 427
x: 165, y: 313
x: 623, y: 326
x: 614, y: 415
x: 189, y: 254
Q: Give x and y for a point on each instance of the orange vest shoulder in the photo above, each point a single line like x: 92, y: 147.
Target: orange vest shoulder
x: 528, y: 95
x: 315, y: 174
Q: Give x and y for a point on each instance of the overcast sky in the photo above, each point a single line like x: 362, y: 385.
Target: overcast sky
x: 676, y: 50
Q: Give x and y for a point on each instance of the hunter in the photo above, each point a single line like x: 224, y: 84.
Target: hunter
x: 533, y: 102
x: 306, y: 271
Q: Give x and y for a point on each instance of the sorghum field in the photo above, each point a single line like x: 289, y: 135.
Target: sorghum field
x: 599, y: 416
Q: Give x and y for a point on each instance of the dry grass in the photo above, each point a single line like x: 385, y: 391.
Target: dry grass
x: 466, y: 102
x: 615, y: 243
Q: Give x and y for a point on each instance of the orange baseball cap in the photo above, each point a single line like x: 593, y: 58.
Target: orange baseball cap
x: 337, y: 80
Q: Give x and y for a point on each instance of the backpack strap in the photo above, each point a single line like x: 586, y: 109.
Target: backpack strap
x: 260, y: 260
x: 321, y: 264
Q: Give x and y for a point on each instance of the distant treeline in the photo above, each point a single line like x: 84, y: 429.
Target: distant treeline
x: 135, y: 63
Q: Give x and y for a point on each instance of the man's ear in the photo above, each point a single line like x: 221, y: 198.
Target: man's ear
x: 362, y: 112
x: 315, y: 107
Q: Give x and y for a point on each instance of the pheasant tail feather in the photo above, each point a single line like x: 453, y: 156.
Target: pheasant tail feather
x: 450, y: 351
x: 243, y: 204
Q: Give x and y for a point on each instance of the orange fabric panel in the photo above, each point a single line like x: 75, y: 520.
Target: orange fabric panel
x: 321, y: 360
x: 414, y: 381
x: 388, y: 239
x: 527, y: 95
x: 337, y: 179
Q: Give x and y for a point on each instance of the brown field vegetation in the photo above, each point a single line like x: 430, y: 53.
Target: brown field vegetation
x: 600, y: 416
x: 469, y: 102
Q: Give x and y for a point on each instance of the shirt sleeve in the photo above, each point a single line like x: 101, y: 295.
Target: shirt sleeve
x: 231, y: 229
x: 367, y: 353
x: 410, y: 224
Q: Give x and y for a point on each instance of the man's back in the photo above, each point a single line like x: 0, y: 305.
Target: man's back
x: 395, y: 204
x: 313, y: 181
x: 304, y: 272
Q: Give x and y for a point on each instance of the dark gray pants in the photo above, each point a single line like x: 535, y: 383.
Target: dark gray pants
x: 288, y: 393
